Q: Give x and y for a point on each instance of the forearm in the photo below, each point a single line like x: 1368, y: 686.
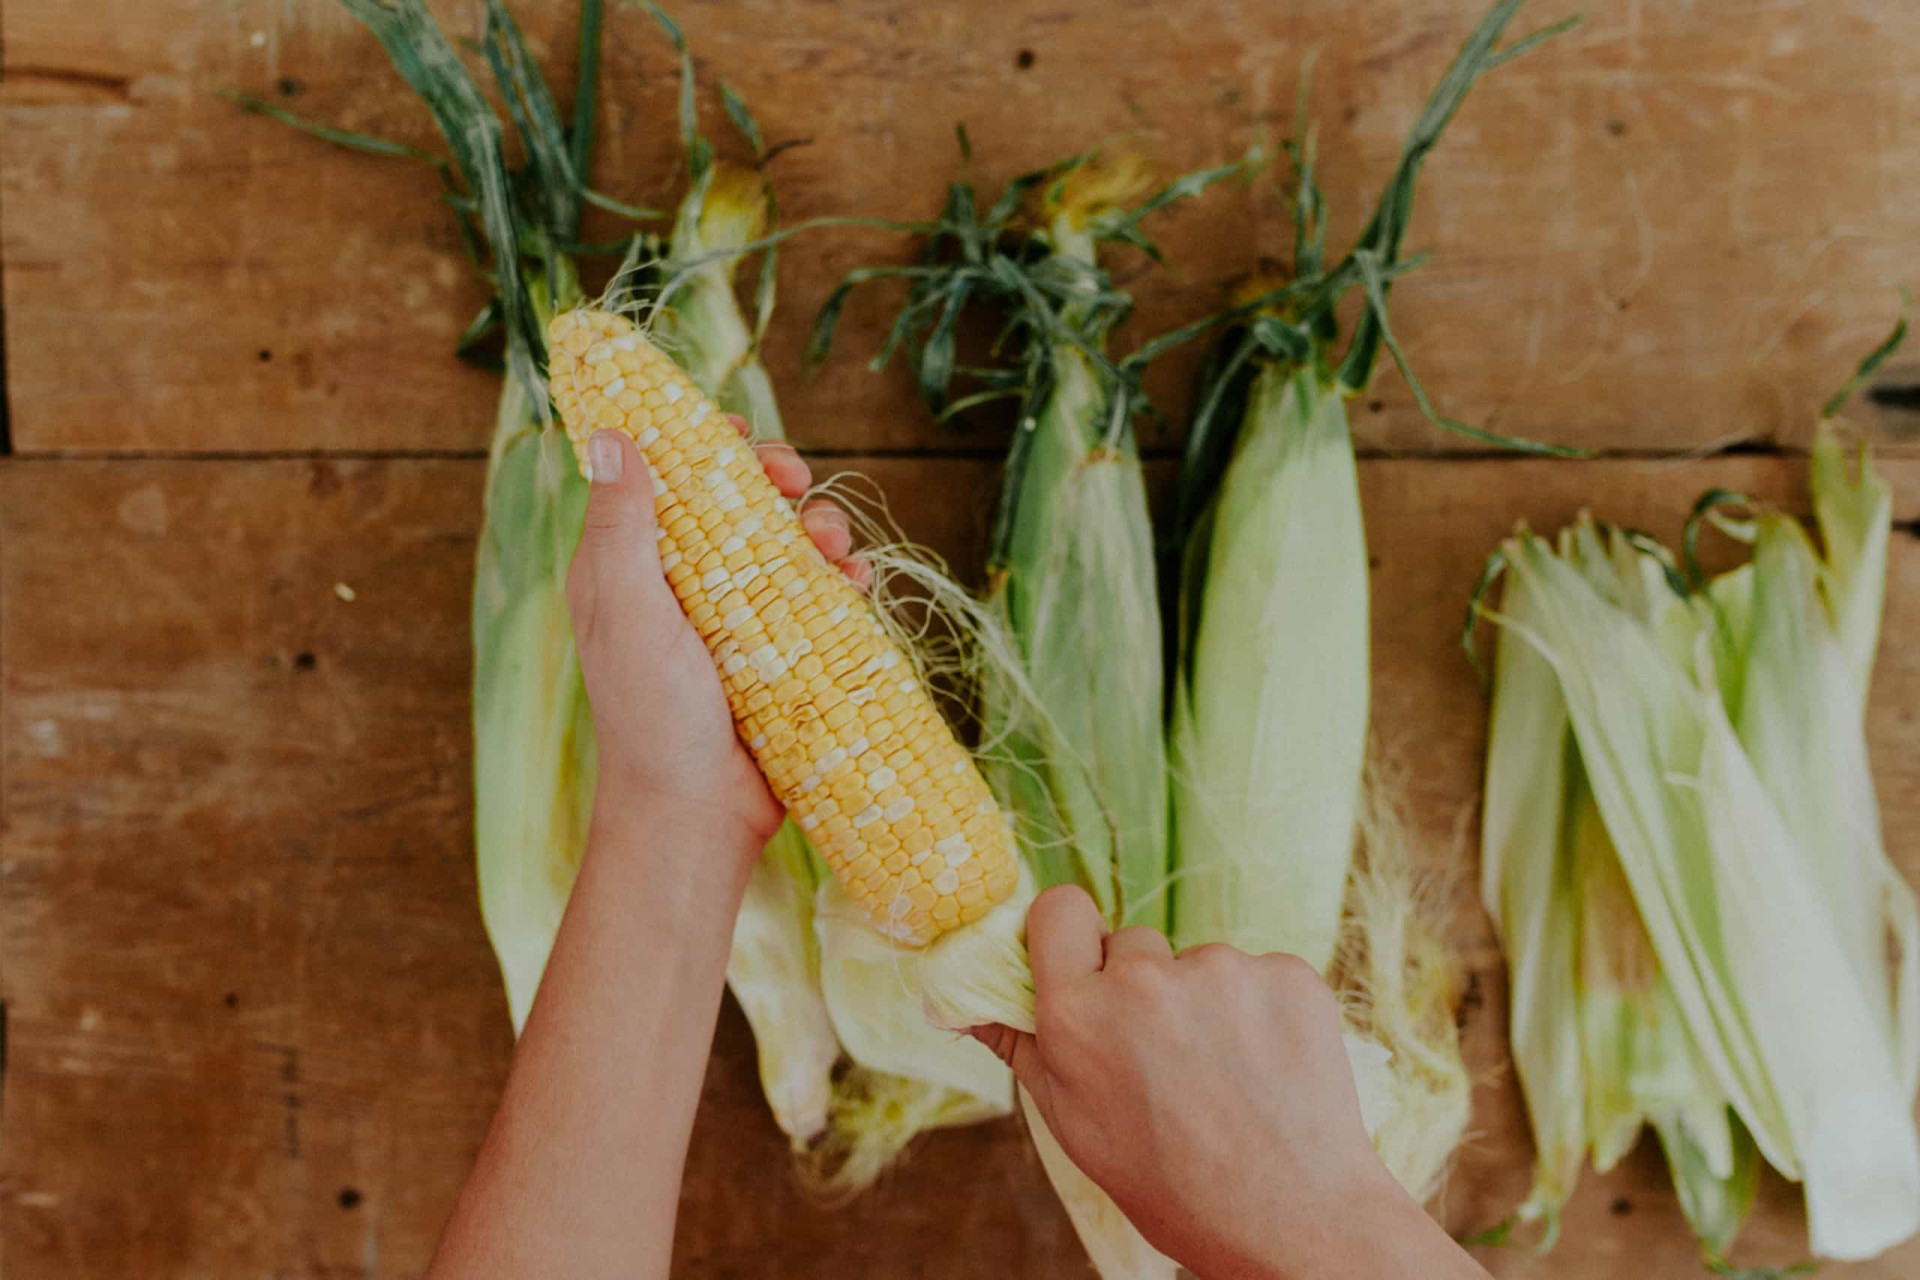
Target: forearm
x: 580, y: 1173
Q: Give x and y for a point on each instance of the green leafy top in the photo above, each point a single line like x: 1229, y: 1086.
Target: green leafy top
x: 1054, y: 294
x: 521, y: 225
x: 1295, y: 322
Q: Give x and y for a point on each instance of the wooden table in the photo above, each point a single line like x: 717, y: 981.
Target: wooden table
x: 252, y: 1025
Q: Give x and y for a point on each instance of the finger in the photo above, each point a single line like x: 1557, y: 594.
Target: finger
x: 1064, y: 931
x: 858, y: 571
x: 1138, y: 940
x: 619, y: 535
x: 829, y: 528
x: 788, y: 471
x: 740, y: 424
x: 1017, y: 1049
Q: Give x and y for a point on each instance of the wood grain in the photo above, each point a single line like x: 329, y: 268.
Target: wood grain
x: 254, y: 1028
x: 1671, y: 230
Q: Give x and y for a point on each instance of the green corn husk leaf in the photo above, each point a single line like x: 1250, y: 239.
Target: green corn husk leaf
x: 1597, y: 1039
x: 1527, y: 885
x: 533, y: 731
x: 773, y: 971
x: 876, y: 1008
x: 1265, y: 808
x: 1079, y: 564
x: 1754, y: 952
x: 1716, y: 1203
x: 1806, y: 632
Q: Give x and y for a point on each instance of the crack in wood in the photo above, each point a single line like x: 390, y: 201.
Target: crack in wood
x: 91, y: 84
x: 1896, y: 395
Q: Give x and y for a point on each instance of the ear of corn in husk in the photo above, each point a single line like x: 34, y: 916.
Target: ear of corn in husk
x: 1269, y: 736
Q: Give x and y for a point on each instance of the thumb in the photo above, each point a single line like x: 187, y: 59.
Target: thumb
x: 1018, y: 1049
x: 615, y: 575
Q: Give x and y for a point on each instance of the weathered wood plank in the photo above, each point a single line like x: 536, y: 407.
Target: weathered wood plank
x: 254, y: 1026
x: 1670, y: 230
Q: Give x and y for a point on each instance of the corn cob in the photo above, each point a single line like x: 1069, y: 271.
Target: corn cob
x: 848, y: 737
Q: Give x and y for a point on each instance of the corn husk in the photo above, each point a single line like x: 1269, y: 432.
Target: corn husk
x: 1270, y: 709
x: 1598, y: 1039
x: 1787, y: 1019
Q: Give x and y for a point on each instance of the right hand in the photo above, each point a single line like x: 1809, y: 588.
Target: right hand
x: 1208, y: 1093
x: 668, y: 751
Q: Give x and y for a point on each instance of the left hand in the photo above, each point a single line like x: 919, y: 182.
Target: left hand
x: 667, y: 747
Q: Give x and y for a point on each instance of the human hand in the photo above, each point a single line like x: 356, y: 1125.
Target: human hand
x: 1210, y: 1096
x: 667, y: 747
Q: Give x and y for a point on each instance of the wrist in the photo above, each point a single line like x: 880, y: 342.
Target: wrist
x: 676, y: 846
x: 1367, y: 1226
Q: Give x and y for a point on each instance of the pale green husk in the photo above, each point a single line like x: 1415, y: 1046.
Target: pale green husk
x: 1269, y: 717
x: 1720, y: 734
x: 1270, y: 709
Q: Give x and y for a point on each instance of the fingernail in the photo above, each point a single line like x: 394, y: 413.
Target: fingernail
x: 604, y: 456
